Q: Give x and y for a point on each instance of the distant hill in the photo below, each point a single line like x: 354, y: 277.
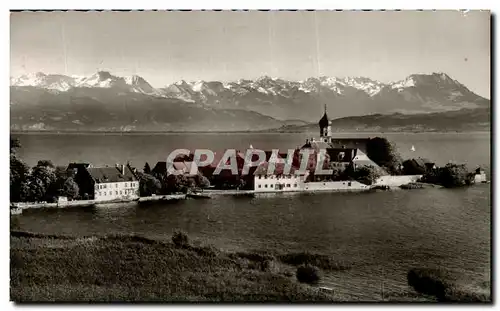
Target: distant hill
x: 106, y: 110
x: 460, y: 120
x: 103, y: 101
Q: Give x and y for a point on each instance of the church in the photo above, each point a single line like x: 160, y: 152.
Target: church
x: 341, y: 151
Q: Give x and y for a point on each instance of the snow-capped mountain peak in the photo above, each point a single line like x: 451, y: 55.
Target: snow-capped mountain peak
x: 408, y: 82
x: 103, y: 79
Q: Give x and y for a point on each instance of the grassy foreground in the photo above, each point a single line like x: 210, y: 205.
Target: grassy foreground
x: 47, y: 268
x: 130, y: 268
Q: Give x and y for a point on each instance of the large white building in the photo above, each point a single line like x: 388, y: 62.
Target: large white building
x: 265, y: 181
x: 114, y: 183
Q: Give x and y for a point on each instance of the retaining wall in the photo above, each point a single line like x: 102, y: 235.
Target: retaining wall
x: 335, y: 186
x: 396, y: 181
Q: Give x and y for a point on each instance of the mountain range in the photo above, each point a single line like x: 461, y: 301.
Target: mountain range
x: 106, y: 102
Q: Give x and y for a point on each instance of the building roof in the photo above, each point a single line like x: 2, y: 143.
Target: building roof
x: 72, y: 166
x: 316, y: 145
x: 341, y: 155
x: 324, y: 121
x: 354, y: 143
x: 110, y: 174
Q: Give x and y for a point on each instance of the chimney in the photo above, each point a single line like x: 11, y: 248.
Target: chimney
x: 123, y: 169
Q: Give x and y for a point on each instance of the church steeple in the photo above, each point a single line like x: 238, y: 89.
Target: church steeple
x: 324, y: 125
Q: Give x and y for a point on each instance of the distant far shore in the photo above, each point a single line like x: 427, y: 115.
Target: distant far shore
x: 272, y: 131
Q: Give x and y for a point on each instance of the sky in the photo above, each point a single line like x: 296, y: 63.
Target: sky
x: 165, y: 47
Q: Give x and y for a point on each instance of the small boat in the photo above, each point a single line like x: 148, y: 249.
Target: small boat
x: 412, y: 148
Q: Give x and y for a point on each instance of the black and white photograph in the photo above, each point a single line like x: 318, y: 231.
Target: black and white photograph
x: 251, y: 156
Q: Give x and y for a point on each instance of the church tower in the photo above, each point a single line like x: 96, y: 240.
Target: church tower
x: 325, y: 127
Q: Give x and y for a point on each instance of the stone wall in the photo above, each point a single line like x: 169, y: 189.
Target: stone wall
x: 335, y: 186
x: 396, y: 181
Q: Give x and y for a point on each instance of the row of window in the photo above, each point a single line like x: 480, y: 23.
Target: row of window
x: 104, y: 186
x: 272, y: 186
x: 277, y: 177
x: 126, y: 192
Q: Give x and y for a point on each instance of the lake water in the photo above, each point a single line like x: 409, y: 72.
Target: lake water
x: 380, y: 234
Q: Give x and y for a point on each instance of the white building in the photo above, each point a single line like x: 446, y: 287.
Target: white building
x: 114, y: 183
x: 277, y: 181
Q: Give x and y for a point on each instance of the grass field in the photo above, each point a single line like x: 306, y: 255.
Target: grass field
x: 128, y: 268
x: 48, y: 268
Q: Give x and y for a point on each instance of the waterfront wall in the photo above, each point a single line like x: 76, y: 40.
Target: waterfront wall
x: 396, y: 181
x: 335, y: 186
x: 163, y: 197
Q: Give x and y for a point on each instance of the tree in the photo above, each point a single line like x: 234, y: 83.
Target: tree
x: 70, y: 188
x: 148, y: 185
x: 46, y: 163
x: 147, y: 168
x: 382, y: 152
x: 14, y: 145
x: 19, y: 173
x: 41, y: 178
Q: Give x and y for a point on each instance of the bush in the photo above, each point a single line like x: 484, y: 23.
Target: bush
x: 304, y: 258
x: 428, y: 281
x: 449, y: 176
x: 308, y: 274
x: 180, y: 239
x: 441, y: 284
x: 364, y: 174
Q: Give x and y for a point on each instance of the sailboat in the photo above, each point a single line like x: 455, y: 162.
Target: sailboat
x: 412, y: 148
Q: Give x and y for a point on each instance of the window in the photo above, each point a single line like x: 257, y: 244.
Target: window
x: 99, y: 193
x: 121, y: 192
x: 265, y: 177
x: 349, y: 184
x: 272, y: 186
x: 260, y: 186
x: 265, y: 186
x: 288, y: 185
x: 126, y: 185
x: 104, y: 186
x: 104, y: 193
x: 295, y: 185
x: 116, y: 192
x: 260, y: 177
x: 116, y: 186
